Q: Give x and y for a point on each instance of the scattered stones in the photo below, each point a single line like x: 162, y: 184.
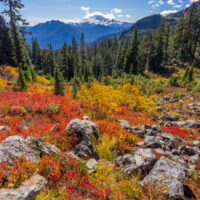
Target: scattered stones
x: 32, y: 148
x: 87, y: 132
x: 167, y: 175
x: 166, y: 98
x: 27, y: 191
x: 172, y: 118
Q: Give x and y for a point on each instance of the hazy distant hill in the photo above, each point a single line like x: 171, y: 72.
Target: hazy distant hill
x: 151, y: 23
x: 56, y: 32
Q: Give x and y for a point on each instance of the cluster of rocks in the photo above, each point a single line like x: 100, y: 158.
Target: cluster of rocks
x: 181, y: 108
x: 174, y: 120
x: 27, y: 191
x: 32, y: 148
x: 177, y: 158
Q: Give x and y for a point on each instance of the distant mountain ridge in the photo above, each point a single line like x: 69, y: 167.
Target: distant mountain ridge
x: 57, y: 32
x: 151, y: 23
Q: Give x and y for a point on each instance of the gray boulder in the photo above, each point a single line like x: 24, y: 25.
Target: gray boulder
x: 87, y: 132
x: 142, y: 159
x: 172, y: 118
x: 32, y: 148
x: 125, y: 124
x: 27, y: 191
x: 191, y: 124
x: 164, y: 141
x: 167, y: 175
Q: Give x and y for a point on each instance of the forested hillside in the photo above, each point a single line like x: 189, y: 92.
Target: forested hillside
x: 114, y: 120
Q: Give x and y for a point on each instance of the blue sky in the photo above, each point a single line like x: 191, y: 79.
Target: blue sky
x: 37, y: 11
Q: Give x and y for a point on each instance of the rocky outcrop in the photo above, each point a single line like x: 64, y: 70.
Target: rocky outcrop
x: 167, y: 175
x: 142, y: 159
x: 27, y: 191
x: 87, y: 132
x: 32, y: 148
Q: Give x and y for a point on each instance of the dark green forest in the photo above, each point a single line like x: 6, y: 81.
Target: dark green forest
x: 109, y: 57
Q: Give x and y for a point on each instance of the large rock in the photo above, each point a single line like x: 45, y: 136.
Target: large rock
x: 168, y: 176
x: 27, y: 191
x: 143, y: 159
x: 191, y: 124
x: 172, y: 117
x: 87, y: 132
x: 32, y: 148
x: 165, y: 141
x: 125, y: 124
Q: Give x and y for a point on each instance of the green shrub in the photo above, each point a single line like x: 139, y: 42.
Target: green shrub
x: 173, y: 81
x: 159, y: 87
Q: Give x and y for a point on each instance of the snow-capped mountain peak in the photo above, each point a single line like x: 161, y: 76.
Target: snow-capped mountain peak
x: 101, y: 20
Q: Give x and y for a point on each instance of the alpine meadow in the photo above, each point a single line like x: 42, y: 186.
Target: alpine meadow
x: 100, y: 100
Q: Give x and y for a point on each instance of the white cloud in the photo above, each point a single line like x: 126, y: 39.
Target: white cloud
x: 155, y: 5
x: 151, y: 2
x: 177, y: 6
x: 87, y: 9
x: 120, y: 15
x: 167, y: 12
x: 192, y: 1
x: 171, y: 2
x: 117, y: 10
x: 128, y: 16
x: 187, y: 5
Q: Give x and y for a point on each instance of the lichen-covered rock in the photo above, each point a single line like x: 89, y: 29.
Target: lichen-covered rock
x: 27, y: 191
x: 32, y: 148
x: 167, y: 175
x: 125, y: 124
x: 143, y: 159
x: 87, y: 131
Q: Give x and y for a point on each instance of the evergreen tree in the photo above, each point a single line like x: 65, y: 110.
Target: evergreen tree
x: 59, y: 83
x: 82, y: 52
x: 16, y: 23
x: 64, y: 61
x: 6, y: 53
x: 132, y: 53
x: 22, y: 82
x: 75, y: 57
x: 158, y: 53
x: 36, y: 54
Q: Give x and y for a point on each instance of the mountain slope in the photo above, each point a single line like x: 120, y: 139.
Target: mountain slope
x: 56, y: 32
x: 151, y: 23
